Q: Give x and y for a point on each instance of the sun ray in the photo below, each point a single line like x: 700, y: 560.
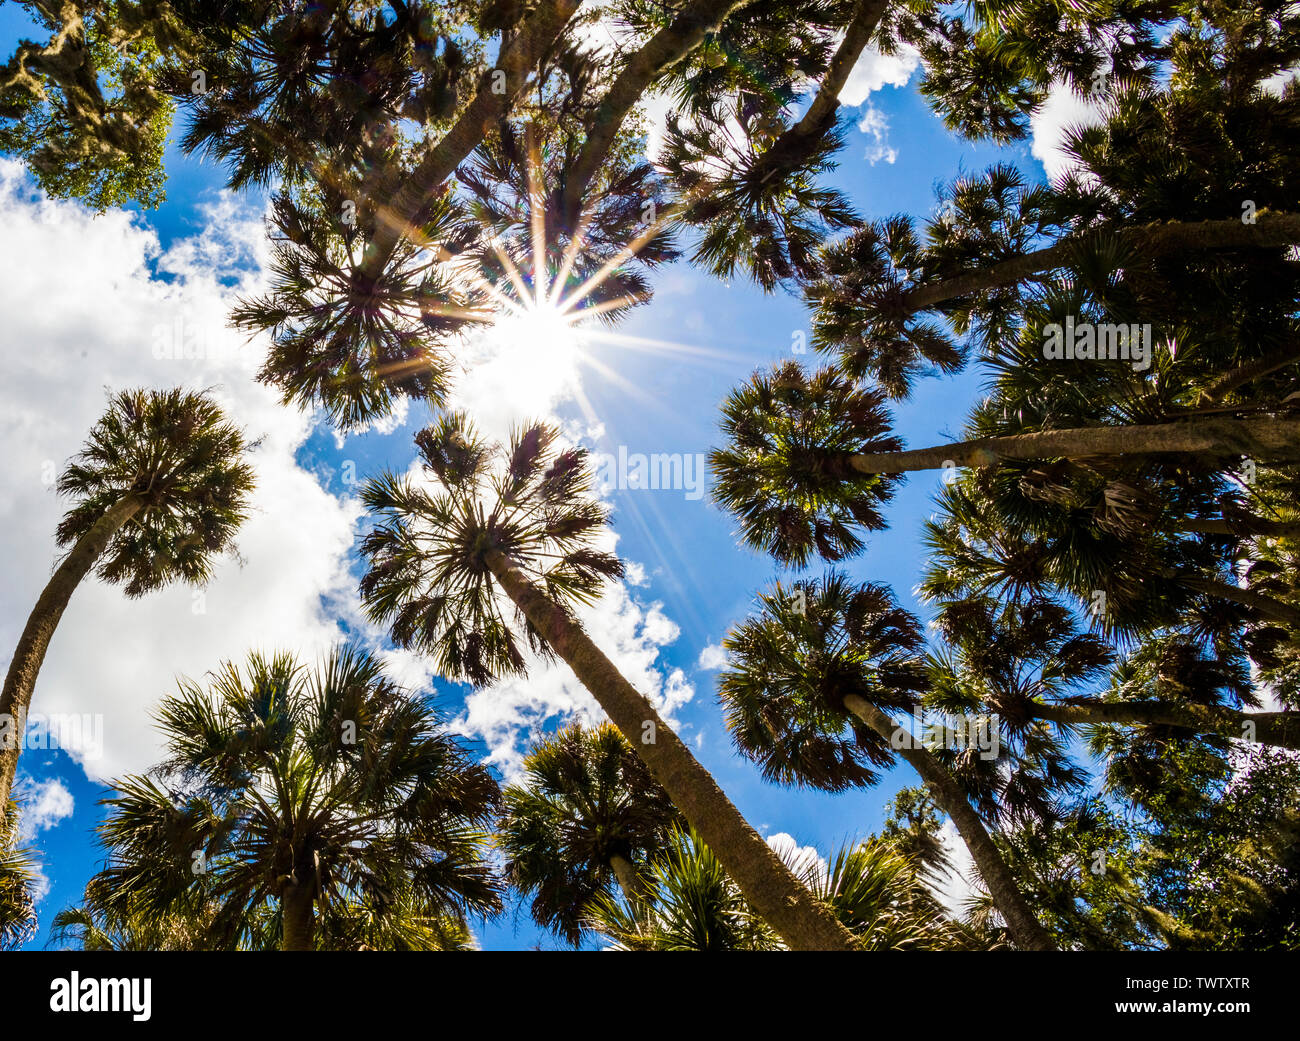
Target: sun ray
x: 537, y: 215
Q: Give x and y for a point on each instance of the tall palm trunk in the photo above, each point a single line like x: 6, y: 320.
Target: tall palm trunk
x: 1268, y: 728
x: 1271, y: 231
x: 662, y: 51
x: 20, y: 681
x: 298, y: 917
x: 1270, y: 607
x: 802, y: 921
x: 628, y: 881
x: 1260, y: 437
x: 516, y: 58
x: 1021, y: 923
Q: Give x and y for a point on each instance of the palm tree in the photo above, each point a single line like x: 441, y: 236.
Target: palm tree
x: 804, y: 452
x: 779, y: 476
x: 813, y: 680
x: 690, y: 904
x: 586, y: 813
x: 159, y: 489
x: 521, y: 523
x: 329, y: 791
x: 101, y: 923
x: 18, y: 876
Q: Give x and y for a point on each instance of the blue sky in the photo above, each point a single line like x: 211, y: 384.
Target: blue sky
x: 696, y: 578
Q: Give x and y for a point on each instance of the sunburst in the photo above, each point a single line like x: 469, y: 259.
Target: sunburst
x: 549, y: 322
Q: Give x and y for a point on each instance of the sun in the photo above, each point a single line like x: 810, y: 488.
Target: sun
x: 541, y: 329
x: 539, y: 349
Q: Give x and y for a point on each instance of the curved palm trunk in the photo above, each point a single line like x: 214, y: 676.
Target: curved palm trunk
x: 1242, y: 527
x: 792, y: 144
x: 1239, y: 377
x: 628, y: 881
x: 517, y: 58
x: 1021, y: 923
x: 1268, y: 606
x: 661, y: 52
x: 297, y: 912
x: 1270, y: 231
x: 1261, y: 438
x: 20, y: 681
x: 802, y: 921
x: 1266, y: 728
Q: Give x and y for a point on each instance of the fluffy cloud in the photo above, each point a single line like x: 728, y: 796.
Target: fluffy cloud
x: 872, y: 72
x: 875, y: 70
x: 712, y: 658
x: 95, y: 303
x: 802, y: 860
x: 1060, y: 112
x: 958, y: 888
x: 876, y: 126
x: 44, y: 804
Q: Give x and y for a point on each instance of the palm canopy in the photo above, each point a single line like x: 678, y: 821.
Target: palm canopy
x: 792, y: 665
x: 429, y: 578
x: 177, y: 454
x: 18, y: 879
x: 690, y: 903
x: 784, y: 472
x: 341, y: 339
x: 586, y: 800
x: 329, y: 779
x: 102, y: 923
x: 1022, y: 537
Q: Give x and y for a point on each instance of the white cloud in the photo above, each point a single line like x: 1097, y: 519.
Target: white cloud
x: 95, y: 303
x: 959, y: 886
x: 509, y: 715
x: 712, y: 658
x: 1061, y: 111
x: 1277, y: 83
x: 875, y: 70
x: 802, y: 860
x: 876, y: 126
x: 43, y: 803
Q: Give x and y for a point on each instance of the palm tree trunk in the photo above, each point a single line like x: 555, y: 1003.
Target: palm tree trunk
x: 1021, y: 923
x: 822, y: 113
x: 1241, y: 527
x: 1271, y: 230
x: 20, y: 680
x: 1269, y: 607
x: 1258, y: 437
x: 297, y: 911
x: 517, y: 58
x: 628, y: 881
x: 1230, y: 381
x: 802, y: 921
x: 661, y: 52
x: 1268, y: 728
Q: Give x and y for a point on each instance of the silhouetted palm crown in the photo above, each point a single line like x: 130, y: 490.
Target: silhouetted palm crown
x: 792, y: 665
x: 277, y: 768
x: 174, y: 451
x: 784, y: 471
x: 585, y: 798
x: 429, y: 577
